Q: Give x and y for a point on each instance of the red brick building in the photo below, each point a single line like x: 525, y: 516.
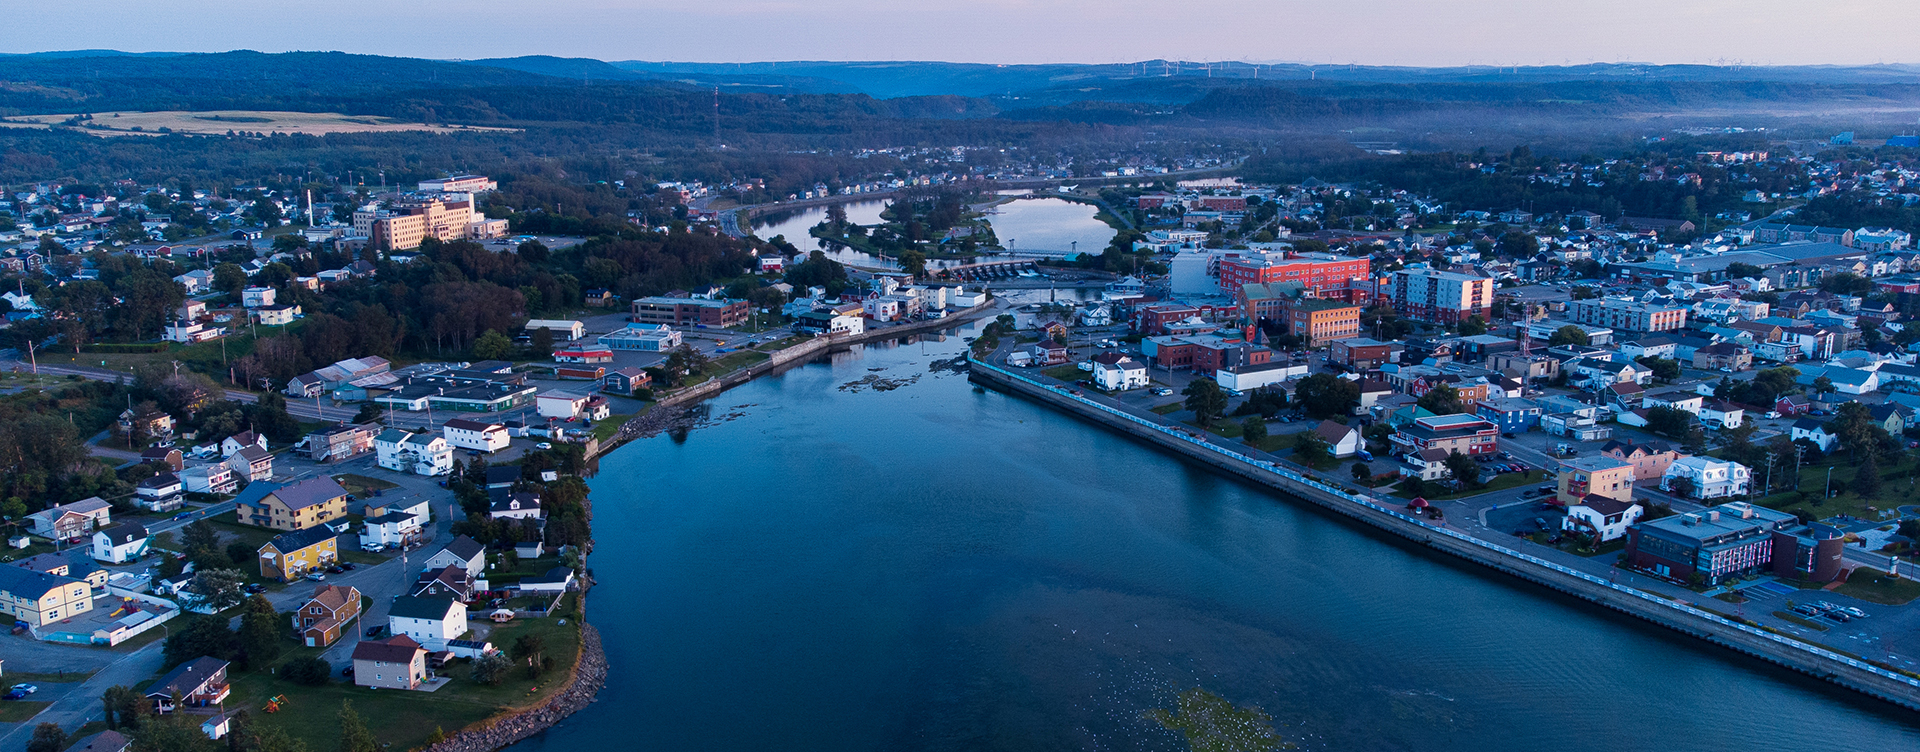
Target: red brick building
x: 1318, y: 273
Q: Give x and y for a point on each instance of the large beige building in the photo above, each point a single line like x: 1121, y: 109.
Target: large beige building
x: 1442, y: 297
x: 409, y: 221
x: 39, y: 599
x: 1629, y: 316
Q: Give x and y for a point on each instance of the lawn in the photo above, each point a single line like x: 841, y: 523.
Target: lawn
x: 229, y: 523
x: 784, y: 343
x: 526, y: 568
x: 1897, y: 487
x: 735, y: 361
x: 21, y: 710
x: 1874, y: 586
x: 405, y: 720
x: 1169, y: 408
x: 1503, y: 482
x: 15, y: 677
x: 608, y: 426
x: 361, y: 486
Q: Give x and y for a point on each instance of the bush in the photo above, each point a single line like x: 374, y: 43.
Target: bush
x: 491, y: 669
x: 310, y: 671
x: 643, y: 394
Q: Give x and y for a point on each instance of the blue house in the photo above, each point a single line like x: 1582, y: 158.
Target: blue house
x: 1511, y: 415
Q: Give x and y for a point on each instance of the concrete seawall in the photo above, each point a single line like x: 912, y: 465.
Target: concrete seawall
x: 1777, y: 649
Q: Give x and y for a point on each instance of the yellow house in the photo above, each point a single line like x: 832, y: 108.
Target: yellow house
x: 309, y: 503
x: 39, y: 599
x: 1595, y: 476
x: 291, y: 555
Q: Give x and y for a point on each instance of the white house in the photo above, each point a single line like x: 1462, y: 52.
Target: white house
x: 257, y: 297
x: 1719, y: 414
x: 72, y: 520
x: 560, y: 404
x: 240, y: 441
x: 1677, y: 399
x: 189, y: 332
x: 1604, y: 517
x: 1710, y: 478
x: 390, y: 528
x: 429, y: 620
x: 251, y: 463
x: 418, y: 453
x: 1814, y: 431
x: 563, y: 331
x: 160, y: 493
x: 121, y: 543
x: 472, y: 434
x: 1427, y: 464
x: 1115, y: 372
x: 215, y: 478
x: 519, y: 506
x: 1342, y: 440
x: 555, y: 581
x: 462, y: 552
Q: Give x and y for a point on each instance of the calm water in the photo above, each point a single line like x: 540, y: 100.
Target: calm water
x: 1050, y: 224
x: 795, y: 225
x: 935, y: 568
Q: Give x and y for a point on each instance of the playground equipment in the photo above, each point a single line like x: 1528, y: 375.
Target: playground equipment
x: 275, y: 702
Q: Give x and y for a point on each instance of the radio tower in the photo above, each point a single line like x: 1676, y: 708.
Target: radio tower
x: 716, y: 119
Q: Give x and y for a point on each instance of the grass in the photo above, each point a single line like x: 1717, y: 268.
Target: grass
x: 1613, y: 546
x: 1069, y: 373
x: 1874, y: 586
x: 735, y: 361
x: 1896, y: 488
x: 229, y: 523
x: 1800, y: 620
x: 783, y: 344
x: 21, y: 710
x: 525, y: 568
x: 610, y: 425
x: 1169, y: 408
x: 15, y: 677
x: 1503, y: 482
x: 362, y: 486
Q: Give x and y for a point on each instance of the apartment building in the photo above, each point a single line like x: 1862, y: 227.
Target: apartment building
x: 1599, y: 476
x: 411, y: 220
x: 1441, y: 297
x: 1317, y: 273
x: 1322, y: 321
x: 1628, y: 316
x: 1463, y: 433
x: 690, y: 311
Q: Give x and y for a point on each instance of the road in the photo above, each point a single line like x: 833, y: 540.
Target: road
x: 82, y: 703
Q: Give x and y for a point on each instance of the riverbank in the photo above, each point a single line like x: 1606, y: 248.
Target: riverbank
x: 1802, y: 657
x: 589, y: 675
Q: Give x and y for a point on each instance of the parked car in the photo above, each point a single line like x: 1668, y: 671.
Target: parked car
x: 346, y: 565
x: 335, y: 569
x: 254, y: 587
x: 1854, y: 612
x: 24, y: 687
x: 316, y: 576
x: 543, y: 445
x: 376, y: 630
x: 17, y: 695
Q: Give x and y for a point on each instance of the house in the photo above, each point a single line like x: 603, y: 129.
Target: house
x: 1675, y: 399
x: 1722, y: 414
x: 105, y: 741
x: 70, y: 521
x: 168, y: 459
x: 1625, y: 395
x: 251, y: 463
x: 1342, y: 440
x: 1466, y: 434
x: 449, y: 580
x: 216, y: 478
x: 1894, y: 418
x: 38, y: 598
x: 391, y: 527
x: 1601, y: 517
x: 429, y: 620
x: 256, y: 297
x: 1049, y: 352
x: 309, y: 503
x: 1724, y: 356
x: 275, y: 315
x: 1509, y: 415
x: 502, y: 476
x: 160, y: 493
x: 1596, y: 476
x: 1792, y: 405
x: 560, y: 404
x: 555, y: 581
x: 418, y: 453
x: 518, y: 506
x: 233, y: 444
x: 625, y: 381
x: 563, y: 331
x: 597, y: 408
x: 73, y: 562
x: 321, y: 619
x: 120, y: 544
x: 341, y: 442
x: 196, y: 684
x: 1814, y: 431
x: 1706, y: 478
x: 397, y: 662
x: 599, y: 297
x: 1426, y: 464
x: 475, y: 435
x: 1649, y: 460
x: 463, y: 552
x: 289, y: 556
x: 1115, y: 372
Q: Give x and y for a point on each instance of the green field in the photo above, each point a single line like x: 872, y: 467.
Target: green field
x: 361, y: 486
x: 1874, y: 586
x: 21, y: 710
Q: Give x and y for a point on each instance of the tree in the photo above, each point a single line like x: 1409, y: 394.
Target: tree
x: 1310, y: 450
x: 219, y: 589
x: 1362, y: 472
x: 1324, y: 395
x: 1442, y: 400
x: 1664, y: 369
x: 914, y: 263
x: 259, y: 738
x: 1206, y: 399
x: 229, y: 278
x: 533, y: 252
x: 541, y: 343
x: 1464, y: 469
x: 307, y: 670
x: 1669, y: 422
x: 1846, y: 283
x: 492, y: 346
x: 354, y: 735
x: 1413, y: 485
x: 369, y: 413
x: 1569, y: 335
x: 261, y: 639
x: 1866, y: 477
x: 1472, y: 326
x: 531, y: 650
x: 1681, y: 487
x: 1853, y: 424
x: 1253, y: 430
x: 201, y: 635
x: 47, y: 737
x: 1822, y: 385
x: 491, y: 669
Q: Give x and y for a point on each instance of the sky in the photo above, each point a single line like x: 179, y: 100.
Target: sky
x: 1372, y: 32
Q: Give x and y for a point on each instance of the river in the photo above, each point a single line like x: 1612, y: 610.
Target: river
x: 1042, y: 224
x: 935, y: 567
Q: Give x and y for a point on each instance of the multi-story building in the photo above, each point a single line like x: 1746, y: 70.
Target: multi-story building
x: 288, y: 556
x: 417, y: 453
x: 1602, y: 476
x: 1317, y: 273
x: 1604, y: 518
x: 38, y: 598
x: 412, y: 220
x: 397, y: 662
x: 1364, y: 353
x: 475, y: 435
x: 1441, y: 297
x: 320, y: 620
x: 1463, y: 433
x: 1510, y: 415
x: 1711, y: 545
x: 690, y: 311
x: 1629, y: 316
x: 1707, y: 478
x: 341, y: 442
x: 309, y: 503
x: 1322, y: 321
x: 459, y: 184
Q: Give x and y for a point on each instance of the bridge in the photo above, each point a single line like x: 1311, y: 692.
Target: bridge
x: 988, y: 270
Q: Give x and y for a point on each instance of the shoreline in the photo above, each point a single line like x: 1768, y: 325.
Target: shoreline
x: 1805, y: 658
x: 589, y: 676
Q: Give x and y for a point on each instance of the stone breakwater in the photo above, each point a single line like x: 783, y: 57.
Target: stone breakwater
x: 588, y: 677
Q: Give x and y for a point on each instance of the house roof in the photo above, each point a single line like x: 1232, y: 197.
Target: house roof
x: 464, y: 548
x: 334, y: 597
x: 93, y: 505
x: 1606, y: 504
x: 1331, y: 432
x: 556, y: 574
x: 432, y: 607
x: 21, y: 582
x: 295, y: 540
x: 462, y: 424
x: 525, y: 500
x: 395, y: 649
x: 186, y: 677
x: 125, y: 532
x: 1808, y: 424
x: 502, y: 474
x: 1432, y: 455
x: 253, y: 453
x: 105, y: 741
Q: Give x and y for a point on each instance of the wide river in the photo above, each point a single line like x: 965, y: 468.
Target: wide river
x: 1040, y: 224
x: 835, y: 567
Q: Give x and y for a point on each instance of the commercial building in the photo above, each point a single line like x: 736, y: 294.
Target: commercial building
x: 1442, y: 297
x: 1466, y: 434
x: 690, y: 312
x: 1363, y: 353
x: 459, y: 184
x: 563, y: 330
x: 1322, y: 321
x: 1317, y: 273
x: 1708, y: 546
x: 412, y: 220
x: 1628, y: 316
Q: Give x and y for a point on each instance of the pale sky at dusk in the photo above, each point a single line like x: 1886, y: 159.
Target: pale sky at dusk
x: 1380, y: 32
